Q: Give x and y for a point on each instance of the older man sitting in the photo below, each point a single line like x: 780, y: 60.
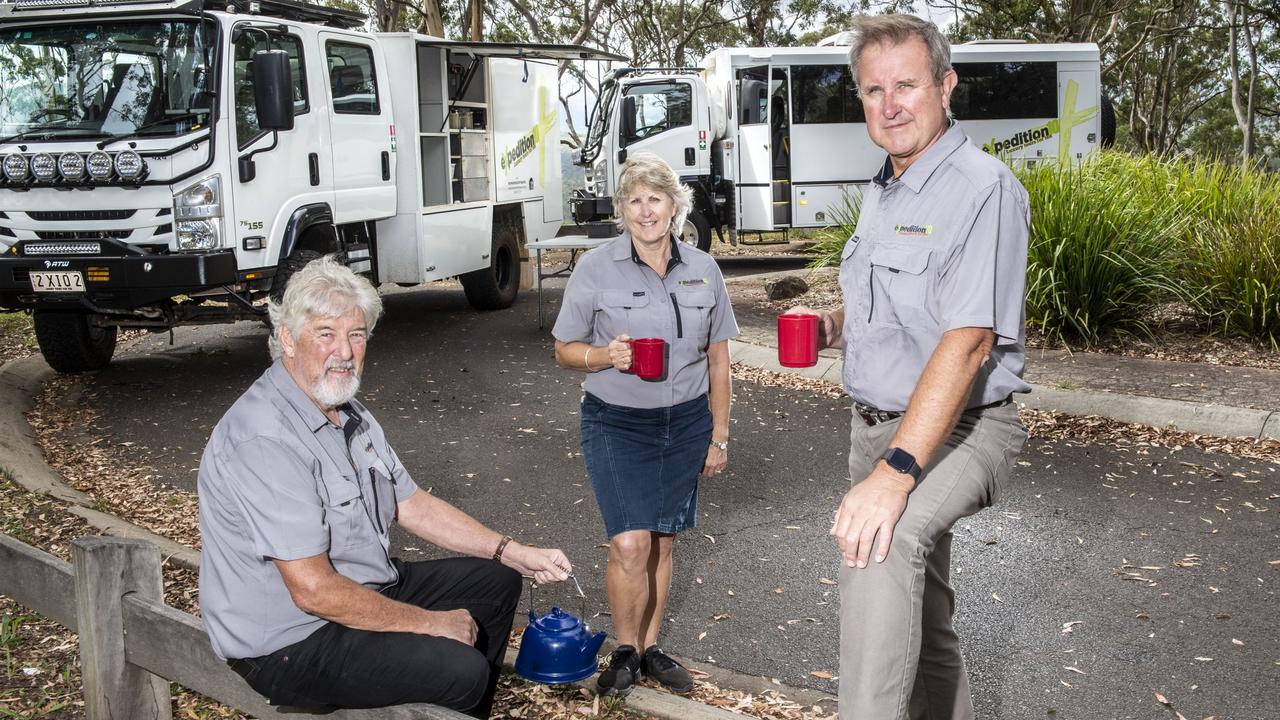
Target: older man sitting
x: 298, y: 490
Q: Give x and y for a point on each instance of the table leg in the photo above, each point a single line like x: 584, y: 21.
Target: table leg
x: 539, y: 252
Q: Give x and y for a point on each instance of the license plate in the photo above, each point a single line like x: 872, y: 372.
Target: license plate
x: 60, y: 281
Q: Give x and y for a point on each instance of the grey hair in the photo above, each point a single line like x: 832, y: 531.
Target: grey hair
x: 324, y: 288
x: 894, y: 30
x: 647, y: 170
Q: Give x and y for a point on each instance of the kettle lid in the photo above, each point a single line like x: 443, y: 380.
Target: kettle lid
x: 557, y: 621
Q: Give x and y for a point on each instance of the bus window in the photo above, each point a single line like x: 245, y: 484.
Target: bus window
x: 660, y: 107
x: 753, y: 95
x: 1005, y: 91
x: 825, y: 94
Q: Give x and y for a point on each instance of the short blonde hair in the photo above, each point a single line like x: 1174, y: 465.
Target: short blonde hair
x: 647, y: 170
x: 324, y: 288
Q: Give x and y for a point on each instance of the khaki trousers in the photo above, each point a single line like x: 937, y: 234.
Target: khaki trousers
x: 899, y: 655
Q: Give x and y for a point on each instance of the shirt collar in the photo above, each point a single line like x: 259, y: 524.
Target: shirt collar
x: 924, y: 166
x: 627, y: 249
x: 310, y: 413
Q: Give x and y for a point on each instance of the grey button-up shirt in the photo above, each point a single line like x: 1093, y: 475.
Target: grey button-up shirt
x: 612, y: 292
x: 942, y: 247
x: 279, y: 481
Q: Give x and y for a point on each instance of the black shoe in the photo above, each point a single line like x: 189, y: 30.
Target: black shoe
x: 669, y: 673
x: 624, y: 670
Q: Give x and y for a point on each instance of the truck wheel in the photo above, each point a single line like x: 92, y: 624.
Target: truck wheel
x: 495, y: 287
x: 696, y: 231
x: 1107, y: 122
x: 70, y: 343
x: 292, y: 264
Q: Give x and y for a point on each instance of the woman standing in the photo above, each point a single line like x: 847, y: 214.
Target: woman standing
x: 645, y: 442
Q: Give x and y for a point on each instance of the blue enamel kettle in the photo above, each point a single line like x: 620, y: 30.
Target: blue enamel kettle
x: 558, y: 648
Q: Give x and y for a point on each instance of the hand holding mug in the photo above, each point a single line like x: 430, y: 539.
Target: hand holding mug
x: 827, y: 328
x: 620, y: 352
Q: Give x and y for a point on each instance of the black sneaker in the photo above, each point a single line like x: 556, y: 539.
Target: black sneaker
x: 669, y: 673
x: 624, y: 670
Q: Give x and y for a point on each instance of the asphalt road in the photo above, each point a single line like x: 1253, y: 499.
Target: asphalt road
x: 1105, y: 575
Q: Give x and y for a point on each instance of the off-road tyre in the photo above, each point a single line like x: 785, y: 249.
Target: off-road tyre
x: 70, y: 343
x: 1106, y: 123
x: 292, y: 264
x: 696, y: 231
x: 495, y: 287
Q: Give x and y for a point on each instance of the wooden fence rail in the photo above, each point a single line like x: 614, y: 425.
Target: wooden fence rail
x: 131, y: 643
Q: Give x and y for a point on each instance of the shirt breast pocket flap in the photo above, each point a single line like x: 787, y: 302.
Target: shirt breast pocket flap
x: 343, y: 510
x: 695, y: 307
x: 900, y: 285
x: 622, y: 300
x: 850, y: 245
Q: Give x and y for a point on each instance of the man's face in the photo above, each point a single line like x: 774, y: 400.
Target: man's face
x: 327, y: 357
x: 905, y: 108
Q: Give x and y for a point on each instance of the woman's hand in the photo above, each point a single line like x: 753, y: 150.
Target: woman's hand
x: 715, y: 462
x: 620, y: 352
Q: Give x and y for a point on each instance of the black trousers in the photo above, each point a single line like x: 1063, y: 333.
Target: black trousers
x: 337, y: 666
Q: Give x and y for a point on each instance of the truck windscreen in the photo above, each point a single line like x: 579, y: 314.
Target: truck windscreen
x: 103, y: 79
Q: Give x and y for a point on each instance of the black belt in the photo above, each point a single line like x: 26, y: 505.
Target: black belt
x: 875, y: 416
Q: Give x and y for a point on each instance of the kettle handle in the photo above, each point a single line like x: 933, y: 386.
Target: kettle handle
x: 582, y: 597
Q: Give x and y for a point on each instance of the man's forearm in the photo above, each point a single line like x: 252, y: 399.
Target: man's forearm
x: 942, y: 392
x: 444, y: 525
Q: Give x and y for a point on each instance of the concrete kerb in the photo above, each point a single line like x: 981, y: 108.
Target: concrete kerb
x: 21, y: 458
x: 1203, y: 419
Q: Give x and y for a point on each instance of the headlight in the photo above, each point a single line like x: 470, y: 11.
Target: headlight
x: 130, y: 166
x: 197, y: 212
x: 44, y: 167
x: 16, y: 168
x: 71, y: 166
x: 200, y: 234
x: 99, y: 165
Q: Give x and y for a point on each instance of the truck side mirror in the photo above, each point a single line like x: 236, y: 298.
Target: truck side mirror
x: 273, y: 89
x: 628, y: 119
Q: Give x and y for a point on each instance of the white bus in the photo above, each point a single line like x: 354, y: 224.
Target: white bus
x: 775, y: 138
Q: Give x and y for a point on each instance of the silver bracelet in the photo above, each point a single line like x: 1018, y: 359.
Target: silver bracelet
x: 586, y: 362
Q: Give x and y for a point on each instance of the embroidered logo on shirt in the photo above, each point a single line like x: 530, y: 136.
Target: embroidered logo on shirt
x: 918, y: 230
x: 694, y: 281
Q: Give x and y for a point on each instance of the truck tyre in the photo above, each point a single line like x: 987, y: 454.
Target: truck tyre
x: 495, y: 287
x: 1107, y: 122
x: 292, y: 264
x: 696, y: 231
x: 70, y: 343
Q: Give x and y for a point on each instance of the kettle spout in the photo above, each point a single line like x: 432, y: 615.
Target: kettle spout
x: 592, y: 644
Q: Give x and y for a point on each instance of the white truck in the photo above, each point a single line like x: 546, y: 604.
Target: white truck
x: 170, y: 162
x: 775, y: 138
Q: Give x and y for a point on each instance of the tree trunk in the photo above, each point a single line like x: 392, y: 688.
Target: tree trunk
x: 432, y: 22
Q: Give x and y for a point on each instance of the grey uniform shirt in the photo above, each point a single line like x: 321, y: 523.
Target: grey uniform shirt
x: 612, y: 292
x: 942, y: 247
x: 279, y: 481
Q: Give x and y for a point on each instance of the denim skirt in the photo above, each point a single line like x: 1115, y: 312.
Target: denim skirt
x: 644, y: 462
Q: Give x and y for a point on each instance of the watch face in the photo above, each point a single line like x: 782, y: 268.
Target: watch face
x: 899, y: 459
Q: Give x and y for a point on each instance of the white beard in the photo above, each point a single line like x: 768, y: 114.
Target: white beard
x: 335, y: 391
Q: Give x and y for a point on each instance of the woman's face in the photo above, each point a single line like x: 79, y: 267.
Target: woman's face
x: 647, y: 214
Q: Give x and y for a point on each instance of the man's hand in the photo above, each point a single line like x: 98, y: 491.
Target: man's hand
x: 453, y: 624
x: 544, y: 565
x: 829, y: 330
x: 870, y: 508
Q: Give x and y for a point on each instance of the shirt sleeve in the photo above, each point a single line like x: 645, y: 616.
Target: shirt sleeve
x: 984, y: 280
x: 723, y: 323
x: 576, y: 321
x: 275, y: 489
x: 403, y: 481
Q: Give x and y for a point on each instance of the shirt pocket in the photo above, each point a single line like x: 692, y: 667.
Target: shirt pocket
x: 622, y: 312
x: 345, y: 513
x: 900, y: 286
x: 695, y: 314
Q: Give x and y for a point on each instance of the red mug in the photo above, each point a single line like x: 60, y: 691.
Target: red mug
x: 797, y: 340
x: 648, y: 358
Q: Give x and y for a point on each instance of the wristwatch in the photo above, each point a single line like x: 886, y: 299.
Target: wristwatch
x: 720, y: 445
x: 902, y: 461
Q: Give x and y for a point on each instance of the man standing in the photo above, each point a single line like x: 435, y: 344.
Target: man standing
x: 933, y: 282
x: 298, y: 489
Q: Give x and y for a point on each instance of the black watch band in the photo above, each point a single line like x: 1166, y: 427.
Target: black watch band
x: 902, y: 461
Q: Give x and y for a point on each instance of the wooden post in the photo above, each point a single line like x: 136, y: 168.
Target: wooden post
x: 106, y: 569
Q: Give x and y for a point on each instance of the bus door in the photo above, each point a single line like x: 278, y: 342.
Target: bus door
x: 1078, y: 114
x: 755, y: 151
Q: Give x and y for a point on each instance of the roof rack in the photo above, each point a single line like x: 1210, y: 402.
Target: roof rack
x: 292, y: 10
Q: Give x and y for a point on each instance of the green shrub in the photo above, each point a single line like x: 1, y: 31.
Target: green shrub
x: 1099, y: 255
x: 833, y: 238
